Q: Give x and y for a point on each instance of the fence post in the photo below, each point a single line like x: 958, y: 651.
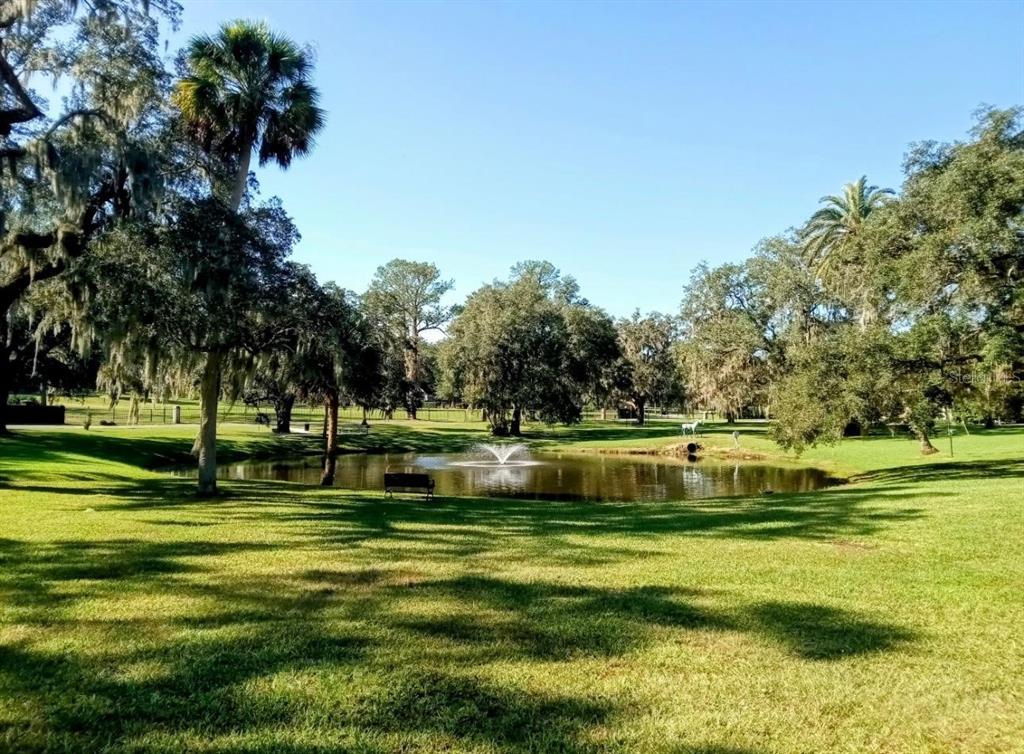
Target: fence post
x: 177, y: 414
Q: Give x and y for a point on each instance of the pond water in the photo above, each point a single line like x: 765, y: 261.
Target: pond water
x: 548, y: 476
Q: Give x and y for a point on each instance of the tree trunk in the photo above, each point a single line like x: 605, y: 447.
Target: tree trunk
x: 242, y: 176
x: 515, y: 428
x: 412, y: 370
x: 331, y: 442
x: 604, y: 413
x: 365, y: 423
x: 926, y: 446
x: 5, y: 386
x: 641, y: 414
x: 206, y: 441
x: 283, y: 412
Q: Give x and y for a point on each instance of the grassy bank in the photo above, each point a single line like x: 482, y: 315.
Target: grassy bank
x: 882, y: 615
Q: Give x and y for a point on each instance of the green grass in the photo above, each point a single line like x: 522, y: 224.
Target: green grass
x: 884, y: 615
x: 99, y: 408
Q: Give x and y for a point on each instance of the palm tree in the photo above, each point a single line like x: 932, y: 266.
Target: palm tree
x: 840, y: 219
x: 246, y: 89
x: 832, y: 229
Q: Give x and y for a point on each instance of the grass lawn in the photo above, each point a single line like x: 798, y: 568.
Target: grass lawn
x: 99, y: 408
x: 883, y: 615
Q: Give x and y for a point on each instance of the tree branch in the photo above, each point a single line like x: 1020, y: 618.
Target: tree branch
x: 82, y: 113
x: 28, y: 109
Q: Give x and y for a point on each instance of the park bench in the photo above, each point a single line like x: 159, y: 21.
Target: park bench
x: 408, y: 482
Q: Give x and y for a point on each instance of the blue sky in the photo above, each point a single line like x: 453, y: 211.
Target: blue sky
x: 622, y: 142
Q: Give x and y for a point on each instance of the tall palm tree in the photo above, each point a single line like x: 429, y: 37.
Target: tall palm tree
x: 828, y: 241
x: 249, y: 89
x: 245, y: 89
x: 835, y: 224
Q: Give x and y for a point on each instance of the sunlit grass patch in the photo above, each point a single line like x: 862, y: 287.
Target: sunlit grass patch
x: 878, y: 615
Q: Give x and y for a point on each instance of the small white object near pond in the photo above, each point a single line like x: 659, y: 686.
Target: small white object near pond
x: 690, y: 427
x: 736, y: 437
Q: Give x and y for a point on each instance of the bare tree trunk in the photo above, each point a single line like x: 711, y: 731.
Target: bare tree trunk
x: 515, y: 428
x: 604, y: 413
x: 206, y: 441
x: 6, y: 365
x: 283, y: 412
x: 242, y: 176
x: 926, y: 445
x: 331, y: 443
x: 5, y: 392
x: 365, y: 423
x: 641, y: 410
x: 412, y: 370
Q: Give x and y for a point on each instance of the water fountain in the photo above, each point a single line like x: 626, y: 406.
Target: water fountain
x: 502, y: 453
x: 498, y: 456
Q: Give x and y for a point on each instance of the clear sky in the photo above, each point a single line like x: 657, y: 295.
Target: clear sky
x: 622, y: 142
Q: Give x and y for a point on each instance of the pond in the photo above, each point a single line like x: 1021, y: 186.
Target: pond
x: 548, y: 476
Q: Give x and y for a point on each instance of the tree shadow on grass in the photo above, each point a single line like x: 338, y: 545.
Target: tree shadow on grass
x: 558, y: 530
x: 817, y: 632
x: 709, y: 749
x: 244, y: 662
x: 40, y: 575
x: 949, y: 471
x: 508, y: 619
x: 199, y: 684
x: 59, y: 451
x: 567, y: 532
x: 552, y: 621
x: 480, y: 713
x: 207, y: 684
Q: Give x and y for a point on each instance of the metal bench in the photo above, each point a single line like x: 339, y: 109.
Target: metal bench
x: 408, y: 482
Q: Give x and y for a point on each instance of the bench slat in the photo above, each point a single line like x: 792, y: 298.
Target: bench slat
x: 408, y: 481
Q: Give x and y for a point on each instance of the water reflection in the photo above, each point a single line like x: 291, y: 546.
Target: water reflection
x: 549, y: 476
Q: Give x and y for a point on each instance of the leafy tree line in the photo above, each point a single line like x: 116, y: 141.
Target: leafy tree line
x: 885, y: 307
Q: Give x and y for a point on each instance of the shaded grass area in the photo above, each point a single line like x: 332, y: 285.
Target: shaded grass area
x: 882, y: 615
x: 99, y: 408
